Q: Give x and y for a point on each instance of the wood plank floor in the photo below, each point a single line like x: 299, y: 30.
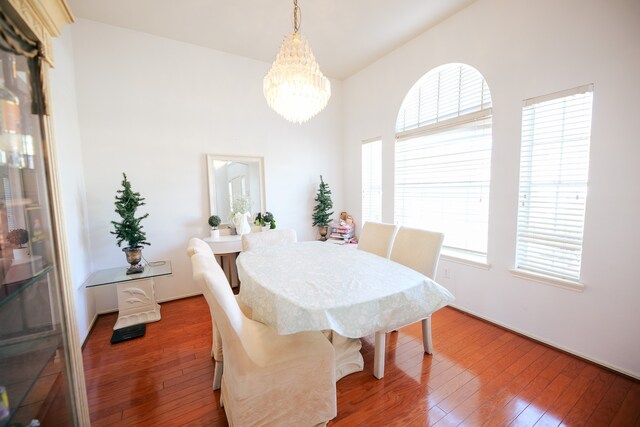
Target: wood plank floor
x: 479, y: 374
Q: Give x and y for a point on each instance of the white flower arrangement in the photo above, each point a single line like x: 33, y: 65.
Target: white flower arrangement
x: 241, y: 203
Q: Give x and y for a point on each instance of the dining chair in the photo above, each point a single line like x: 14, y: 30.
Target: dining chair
x: 419, y: 250
x: 198, y: 246
x: 269, y: 379
x: 377, y: 237
x: 268, y: 238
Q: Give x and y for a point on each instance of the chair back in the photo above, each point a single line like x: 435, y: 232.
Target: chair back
x: 268, y: 238
x: 225, y: 311
x: 198, y: 246
x: 417, y: 249
x: 377, y: 237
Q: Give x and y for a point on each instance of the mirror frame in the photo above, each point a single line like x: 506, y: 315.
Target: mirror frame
x: 213, y: 204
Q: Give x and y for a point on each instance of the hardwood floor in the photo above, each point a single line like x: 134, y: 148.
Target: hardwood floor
x: 479, y: 374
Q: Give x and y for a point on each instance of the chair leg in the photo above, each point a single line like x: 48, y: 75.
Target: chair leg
x: 426, y: 335
x: 217, y: 375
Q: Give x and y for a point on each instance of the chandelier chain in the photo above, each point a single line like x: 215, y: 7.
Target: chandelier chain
x: 297, y: 17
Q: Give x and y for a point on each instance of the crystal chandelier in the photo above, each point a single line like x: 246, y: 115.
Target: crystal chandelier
x: 294, y: 86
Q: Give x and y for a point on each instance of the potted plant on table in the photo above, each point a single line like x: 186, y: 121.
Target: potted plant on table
x: 129, y: 229
x: 214, y: 222
x: 265, y: 220
x: 321, y: 215
x: 18, y: 238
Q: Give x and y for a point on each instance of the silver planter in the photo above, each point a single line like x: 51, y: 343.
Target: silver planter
x: 134, y: 256
x: 324, y: 230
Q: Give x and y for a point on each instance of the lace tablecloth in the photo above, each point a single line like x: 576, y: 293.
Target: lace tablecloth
x: 312, y: 286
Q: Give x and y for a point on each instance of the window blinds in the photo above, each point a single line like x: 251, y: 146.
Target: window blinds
x: 372, y: 181
x: 442, y: 183
x: 443, y: 157
x: 451, y: 90
x: 556, y: 132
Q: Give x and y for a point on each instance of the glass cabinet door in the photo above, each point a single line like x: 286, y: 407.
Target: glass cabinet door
x: 34, y: 384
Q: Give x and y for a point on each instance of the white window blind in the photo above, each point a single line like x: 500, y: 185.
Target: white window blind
x: 449, y: 91
x: 443, y: 157
x: 372, y: 181
x: 554, y: 163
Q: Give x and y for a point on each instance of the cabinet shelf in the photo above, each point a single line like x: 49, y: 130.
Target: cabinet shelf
x: 12, y: 290
x: 24, y: 360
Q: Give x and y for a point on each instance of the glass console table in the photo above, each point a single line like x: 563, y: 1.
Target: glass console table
x: 137, y: 304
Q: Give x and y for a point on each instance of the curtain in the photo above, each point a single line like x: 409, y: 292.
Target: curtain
x: 14, y: 41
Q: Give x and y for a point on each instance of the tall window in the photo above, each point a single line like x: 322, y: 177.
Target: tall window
x: 372, y: 181
x: 554, y: 163
x: 443, y: 157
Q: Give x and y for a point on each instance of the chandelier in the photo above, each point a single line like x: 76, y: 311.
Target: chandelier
x: 294, y: 86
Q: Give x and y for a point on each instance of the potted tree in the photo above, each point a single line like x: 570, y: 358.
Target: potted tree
x: 321, y: 215
x: 129, y: 229
x: 214, y: 222
x: 18, y: 238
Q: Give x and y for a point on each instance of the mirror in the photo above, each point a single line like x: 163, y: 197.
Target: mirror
x: 230, y: 176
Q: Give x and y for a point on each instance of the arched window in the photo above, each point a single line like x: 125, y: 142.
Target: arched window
x: 443, y: 157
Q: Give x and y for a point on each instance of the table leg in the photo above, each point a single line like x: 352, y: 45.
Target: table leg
x: 348, y: 357
x: 230, y: 268
x: 378, y: 355
x: 227, y: 270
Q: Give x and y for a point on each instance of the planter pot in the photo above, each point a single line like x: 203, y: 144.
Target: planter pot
x: 215, y: 234
x: 134, y: 256
x: 20, y: 253
x: 323, y: 233
x: 266, y: 228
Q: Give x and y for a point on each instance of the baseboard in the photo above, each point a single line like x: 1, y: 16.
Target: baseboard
x: 556, y: 346
x: 89, y: 330
x: 179, y: 297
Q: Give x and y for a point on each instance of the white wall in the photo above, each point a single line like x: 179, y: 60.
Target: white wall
x: 525, y: 49
x: 153, y: 107
x: 66, y: 135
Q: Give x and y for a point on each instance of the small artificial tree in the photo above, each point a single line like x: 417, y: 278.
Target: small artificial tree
x: 129, y: 229
x: 321, y: 215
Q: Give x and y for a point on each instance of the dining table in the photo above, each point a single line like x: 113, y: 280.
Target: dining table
x: 347, y: 293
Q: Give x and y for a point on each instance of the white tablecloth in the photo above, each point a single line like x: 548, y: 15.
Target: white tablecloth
x: 311, y: 286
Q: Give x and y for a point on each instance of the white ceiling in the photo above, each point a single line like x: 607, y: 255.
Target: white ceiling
x: 345, y: 35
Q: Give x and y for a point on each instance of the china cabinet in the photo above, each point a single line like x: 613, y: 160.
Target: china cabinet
x: 41, y: 374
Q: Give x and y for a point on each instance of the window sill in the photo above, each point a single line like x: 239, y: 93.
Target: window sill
x: 545, y: 280
x: 472, y: 260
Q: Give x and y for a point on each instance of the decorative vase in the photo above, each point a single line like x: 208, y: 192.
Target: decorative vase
x: 215, y: 234
x: 134, y: 256
x: 241, y: 221
x: 323, y: 232
x: 265, y: 228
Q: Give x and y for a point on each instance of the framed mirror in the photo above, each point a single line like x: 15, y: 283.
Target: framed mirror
x: 230, y: 176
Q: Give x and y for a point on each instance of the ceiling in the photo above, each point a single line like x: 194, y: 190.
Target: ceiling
x: 345, y: 35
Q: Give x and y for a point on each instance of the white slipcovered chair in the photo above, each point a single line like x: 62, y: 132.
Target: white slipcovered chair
x: 419, y: 250
x: 269, y: 379
x: 198, y: 246
x: 252, y: 241
x: 377, y: 237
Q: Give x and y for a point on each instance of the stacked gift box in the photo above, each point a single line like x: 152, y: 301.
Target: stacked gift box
x: 341, y: 232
